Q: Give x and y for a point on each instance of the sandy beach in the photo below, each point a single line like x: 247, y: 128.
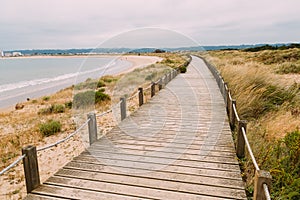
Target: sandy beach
x: 10, y: 98
x: 12, y: 183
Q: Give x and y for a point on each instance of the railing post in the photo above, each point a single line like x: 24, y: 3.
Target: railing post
x: 226, y: 93
x: 240, y: 143
x: 160, y: 84
x: 228, y: 102
x: 92, y: 124
x: 123, y: 108
x: 152, y: 89
x: 261, y: 177
x: 31, y: 168
x: 232, y: 114
x: 141, y: 97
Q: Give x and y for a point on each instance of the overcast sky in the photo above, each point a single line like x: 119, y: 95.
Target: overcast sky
x: 43, y: 24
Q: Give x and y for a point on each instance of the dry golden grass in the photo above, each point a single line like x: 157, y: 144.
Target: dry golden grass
x: 249, y: 75
x: 270, y: 100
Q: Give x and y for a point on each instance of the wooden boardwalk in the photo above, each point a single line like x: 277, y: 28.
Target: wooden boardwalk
x: 176, y: 146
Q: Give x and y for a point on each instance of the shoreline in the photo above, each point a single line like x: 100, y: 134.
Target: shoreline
x: 134, y: 60
x: 61, y: 56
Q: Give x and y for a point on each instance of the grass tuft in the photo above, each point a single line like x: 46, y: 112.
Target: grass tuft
x: 50, y: 128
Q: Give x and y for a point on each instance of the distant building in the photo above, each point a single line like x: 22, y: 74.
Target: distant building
x: 1, y: 54
x: 7, y: 54
x: 15, y: 54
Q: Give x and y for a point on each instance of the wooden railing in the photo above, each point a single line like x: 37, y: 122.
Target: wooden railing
x: 29, y: 153
x: 262, y: 179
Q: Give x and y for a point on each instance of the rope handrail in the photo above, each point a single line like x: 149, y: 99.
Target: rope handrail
x: 117, y: 104
x: 249, y: 149
x: 104, y: 113
x: 235, y: 112
x: 134, y: 95
x: 12, y: 164
x: 230, y: 97
x: 267, y: 193
x: 65, y: 139
x: 157, y: 82
x: 147, y: 88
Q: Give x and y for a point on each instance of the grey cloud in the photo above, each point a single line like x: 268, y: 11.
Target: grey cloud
x: 76, y: 24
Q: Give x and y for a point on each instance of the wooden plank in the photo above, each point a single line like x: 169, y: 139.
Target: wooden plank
x: 164, y: 175
x: 78, y: 193
x: 179, y: 146
x: 172, y: 150
x: 40, y: 197
x: 170, y: 168
x: 160, y: 154
x: 123, y: 189
x: 136, y: 160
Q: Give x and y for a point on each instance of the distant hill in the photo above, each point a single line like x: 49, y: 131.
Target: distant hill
x: 272, y: 47
x: 255, y: 47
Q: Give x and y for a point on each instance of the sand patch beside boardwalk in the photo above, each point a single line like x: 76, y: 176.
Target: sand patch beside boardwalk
x: 12, y: 184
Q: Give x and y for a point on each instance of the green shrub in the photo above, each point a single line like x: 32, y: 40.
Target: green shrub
x: 46, y: 98
x: 100, y: 84
x: 49, y: 128
x: 55, y: 108
x: 58, y: 108
x: 182, y: 69
x: 108, y: 79
x: 89, y: 98
x: 100, y: 96
x: 84, y: 99
x: 44, y: 111
x: 286, y: 166
x: 69, y: 104
x: 102, y: 90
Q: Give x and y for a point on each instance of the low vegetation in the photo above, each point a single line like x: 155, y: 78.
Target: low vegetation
x: 176, y: 61
x: 89, y: 98
x: 55, y: 108
x: 50, y: 128
x: 268, y: 97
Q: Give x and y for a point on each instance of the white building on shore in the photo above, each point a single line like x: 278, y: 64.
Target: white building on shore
x: 1, y: 54
x: 15, y: 54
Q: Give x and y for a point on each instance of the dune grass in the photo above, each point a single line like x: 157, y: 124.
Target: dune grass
x: 266, y: 86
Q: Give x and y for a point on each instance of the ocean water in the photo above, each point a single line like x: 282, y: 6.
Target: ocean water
x: 22, y: 78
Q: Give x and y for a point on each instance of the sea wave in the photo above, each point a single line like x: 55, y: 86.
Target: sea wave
x: 23, y: 84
